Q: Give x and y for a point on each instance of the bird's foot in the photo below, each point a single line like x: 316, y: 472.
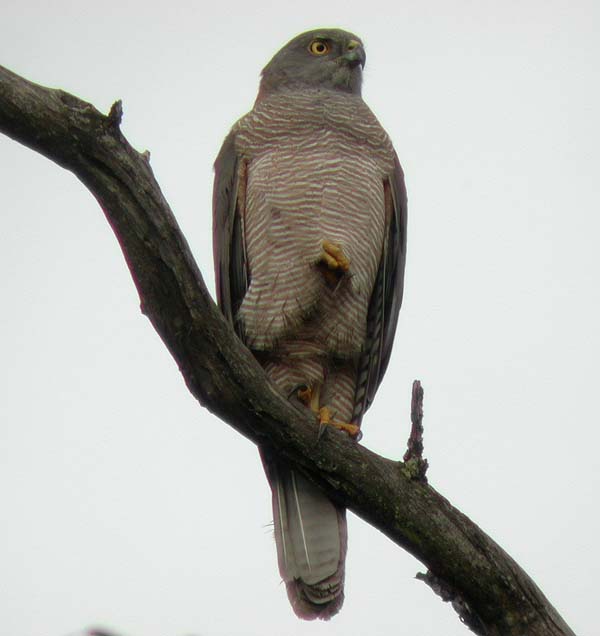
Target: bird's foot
x: 334, y: 262
x: 326, y: 419
x: 334, y: 258
x: 310, y: 398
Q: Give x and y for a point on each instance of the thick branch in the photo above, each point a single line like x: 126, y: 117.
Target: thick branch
x: 463, y: 561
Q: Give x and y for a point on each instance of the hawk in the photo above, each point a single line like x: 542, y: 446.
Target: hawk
x: 309, y: 212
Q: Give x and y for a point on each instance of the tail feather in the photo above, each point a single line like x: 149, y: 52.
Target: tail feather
x: 311, y: 540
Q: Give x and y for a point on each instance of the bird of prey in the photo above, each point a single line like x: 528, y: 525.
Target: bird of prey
x: 309, y: 211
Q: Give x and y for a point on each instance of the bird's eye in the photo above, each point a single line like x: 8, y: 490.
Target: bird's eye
x: 319, y: 47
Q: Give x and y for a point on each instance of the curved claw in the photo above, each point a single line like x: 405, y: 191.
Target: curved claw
x: 325, y: 419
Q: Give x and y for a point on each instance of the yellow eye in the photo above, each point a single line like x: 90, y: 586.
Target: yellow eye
x: 319, y: 47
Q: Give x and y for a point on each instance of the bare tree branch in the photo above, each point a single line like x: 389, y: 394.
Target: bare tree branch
x: 492, y: 594
x: 414, y: 451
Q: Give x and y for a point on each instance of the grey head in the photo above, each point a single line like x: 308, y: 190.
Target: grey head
x: 323, y: 58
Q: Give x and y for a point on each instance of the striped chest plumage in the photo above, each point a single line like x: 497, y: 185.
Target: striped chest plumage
x: 316, y: 162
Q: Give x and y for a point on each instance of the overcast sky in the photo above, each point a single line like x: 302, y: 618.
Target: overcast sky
x: 126, y: 504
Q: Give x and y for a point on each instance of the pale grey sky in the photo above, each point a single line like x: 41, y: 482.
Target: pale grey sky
x: 127, y: 505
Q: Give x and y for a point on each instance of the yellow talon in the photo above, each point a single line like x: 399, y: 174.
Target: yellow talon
x: 310, y: 397
x: 333, y: 263
x: 352, y: 429
x: 325, y: 419
x: 333, y: 256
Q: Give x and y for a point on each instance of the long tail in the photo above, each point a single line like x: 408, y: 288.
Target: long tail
x: 311, y: 540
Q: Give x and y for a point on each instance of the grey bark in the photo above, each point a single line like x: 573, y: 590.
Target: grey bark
x: 489, y: 590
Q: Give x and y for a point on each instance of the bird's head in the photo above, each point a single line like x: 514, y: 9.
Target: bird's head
x: 324, y: 58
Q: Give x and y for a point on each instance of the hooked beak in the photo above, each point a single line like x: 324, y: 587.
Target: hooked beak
x: 355, y: 55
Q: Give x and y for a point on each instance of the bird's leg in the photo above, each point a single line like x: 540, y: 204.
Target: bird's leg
x: 333, y: 262
x: 315, y: 398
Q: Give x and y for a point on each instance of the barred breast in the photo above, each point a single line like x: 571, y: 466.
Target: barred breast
x: 316, y: 163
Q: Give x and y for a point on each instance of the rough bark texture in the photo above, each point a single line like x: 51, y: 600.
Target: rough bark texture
x: 491, y: 593
x: 414, y: 446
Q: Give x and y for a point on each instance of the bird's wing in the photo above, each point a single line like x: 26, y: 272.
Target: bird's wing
x: 386, y: 298
x: 229, y: 195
